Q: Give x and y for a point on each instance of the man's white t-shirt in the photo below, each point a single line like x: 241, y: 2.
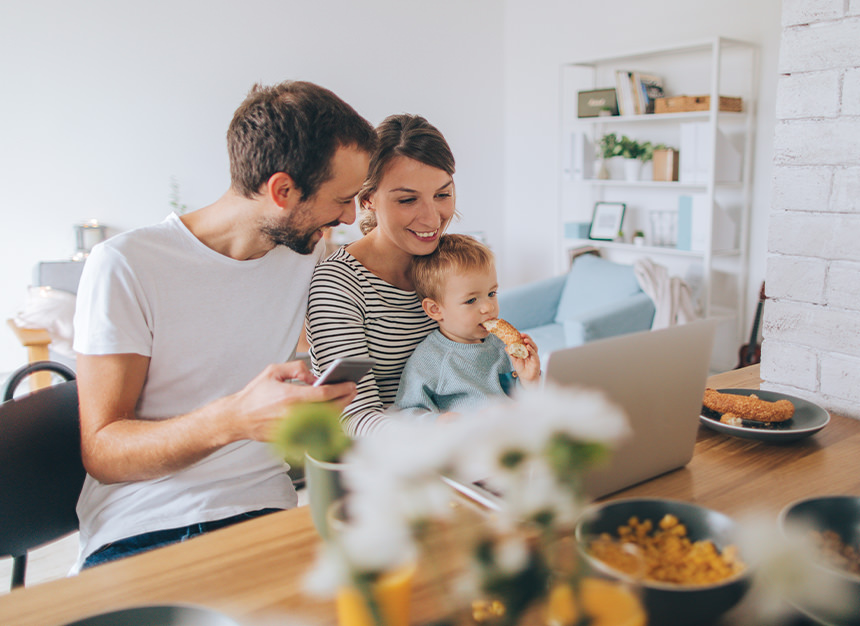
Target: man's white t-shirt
x: 209, y: 324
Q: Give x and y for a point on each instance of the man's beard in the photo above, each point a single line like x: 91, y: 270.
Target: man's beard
x: 290, y: 233
x: 294, y: 239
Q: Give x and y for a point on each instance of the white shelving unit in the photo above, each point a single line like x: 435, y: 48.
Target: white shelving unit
x: 716, y: 67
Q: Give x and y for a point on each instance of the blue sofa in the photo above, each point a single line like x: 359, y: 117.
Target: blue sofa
x: 594, y: 300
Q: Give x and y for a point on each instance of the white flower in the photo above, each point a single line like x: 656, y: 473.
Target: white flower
x: 511, y: 554
x: 330, y: 571
x: 582, y: 414
x: 376, y: 547
x: 405, y: 449
x: 506, y: 435
x: 393, y: 477
x: 784, y: 568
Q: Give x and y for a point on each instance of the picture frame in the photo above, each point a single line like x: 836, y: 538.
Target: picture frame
x: 606, y: 220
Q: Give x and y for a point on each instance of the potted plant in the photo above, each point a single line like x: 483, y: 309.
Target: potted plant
x: 633, y: 153
x: 311, y: 436
x: 607, y: 148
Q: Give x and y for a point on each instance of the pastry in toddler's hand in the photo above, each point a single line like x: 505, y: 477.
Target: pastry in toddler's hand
x: 511, y: 336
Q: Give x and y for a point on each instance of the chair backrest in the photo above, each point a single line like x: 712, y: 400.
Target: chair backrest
x: 42, y: 472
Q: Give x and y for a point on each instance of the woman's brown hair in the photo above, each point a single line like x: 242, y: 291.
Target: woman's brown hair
x: 405, y: 135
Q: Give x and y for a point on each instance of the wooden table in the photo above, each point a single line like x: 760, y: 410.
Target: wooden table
x: 253, y: 571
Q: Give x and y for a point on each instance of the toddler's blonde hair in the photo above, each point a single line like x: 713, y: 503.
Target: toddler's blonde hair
x: 454, y: 252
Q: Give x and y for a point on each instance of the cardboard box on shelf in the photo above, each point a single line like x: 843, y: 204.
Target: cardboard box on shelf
x: 666, y: 164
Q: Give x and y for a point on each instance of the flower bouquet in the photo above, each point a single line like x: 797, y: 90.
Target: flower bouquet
x: 503, y: 568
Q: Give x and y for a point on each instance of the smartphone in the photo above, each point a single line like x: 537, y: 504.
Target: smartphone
x: 342, y: 370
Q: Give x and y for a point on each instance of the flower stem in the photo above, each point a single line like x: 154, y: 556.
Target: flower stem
x: 365, y: 586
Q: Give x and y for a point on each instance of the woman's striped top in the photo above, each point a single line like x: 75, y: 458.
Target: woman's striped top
x: 354, y: 313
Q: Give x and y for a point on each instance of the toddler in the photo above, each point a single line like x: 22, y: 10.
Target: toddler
x: 460, y: 365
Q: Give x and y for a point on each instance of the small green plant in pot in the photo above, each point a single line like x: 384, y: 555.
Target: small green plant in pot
x: 311, y: 435
x: 635, y: 153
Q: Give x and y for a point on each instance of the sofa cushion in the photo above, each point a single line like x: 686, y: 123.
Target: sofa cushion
x: 548, y: 338
x: 594, y: 283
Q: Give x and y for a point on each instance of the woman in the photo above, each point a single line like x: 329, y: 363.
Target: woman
x: 362, y: 302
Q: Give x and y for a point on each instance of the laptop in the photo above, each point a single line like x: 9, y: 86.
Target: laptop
x: 658, y: 377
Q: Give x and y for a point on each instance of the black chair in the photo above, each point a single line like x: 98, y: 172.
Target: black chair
x: 42, y: 473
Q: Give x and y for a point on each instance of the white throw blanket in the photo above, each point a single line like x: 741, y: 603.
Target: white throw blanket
x: 53, y: 310
x: 671, y: 295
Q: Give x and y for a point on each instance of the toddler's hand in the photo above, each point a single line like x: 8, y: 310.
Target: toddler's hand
x: 528, y: 369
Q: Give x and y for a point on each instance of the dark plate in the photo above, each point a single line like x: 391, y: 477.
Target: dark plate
x: 168, y: 615
x: 808, y: 419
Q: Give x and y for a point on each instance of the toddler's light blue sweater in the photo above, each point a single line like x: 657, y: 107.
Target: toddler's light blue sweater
x: 444, y: 375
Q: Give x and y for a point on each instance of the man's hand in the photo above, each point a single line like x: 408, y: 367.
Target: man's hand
x: 266, y: 399
x: 117, y: 446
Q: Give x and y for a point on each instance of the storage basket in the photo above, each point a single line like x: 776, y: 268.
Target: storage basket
x: 680, y: 104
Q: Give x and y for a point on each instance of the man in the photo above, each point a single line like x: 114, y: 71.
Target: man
x: 183, y: 330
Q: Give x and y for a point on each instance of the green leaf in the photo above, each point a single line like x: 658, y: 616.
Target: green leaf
x: 314, y: 428
x: 510, y: 459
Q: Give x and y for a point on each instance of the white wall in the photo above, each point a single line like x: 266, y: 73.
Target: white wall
x: 103, y: 101
x: 540, y: 35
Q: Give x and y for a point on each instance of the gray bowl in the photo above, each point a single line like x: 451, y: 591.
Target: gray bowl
x: 669, y: 604
x: 166, y: 615
x: 840, y: 514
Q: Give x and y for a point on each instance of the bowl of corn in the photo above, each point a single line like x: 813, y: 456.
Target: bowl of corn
x: 682, y: 556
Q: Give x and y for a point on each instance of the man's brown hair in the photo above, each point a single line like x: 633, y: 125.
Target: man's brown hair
x: 454, y: 253
x: 293, y: 127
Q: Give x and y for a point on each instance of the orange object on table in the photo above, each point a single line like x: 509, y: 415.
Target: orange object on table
x: 393, y: 593
x: 607, y: 603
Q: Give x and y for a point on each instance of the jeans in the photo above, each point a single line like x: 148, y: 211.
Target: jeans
x: 158, y: 538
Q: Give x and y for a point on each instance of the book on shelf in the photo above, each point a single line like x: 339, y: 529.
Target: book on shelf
x: 637, y: 92
x: 648, y: 88
x: 624, y: 89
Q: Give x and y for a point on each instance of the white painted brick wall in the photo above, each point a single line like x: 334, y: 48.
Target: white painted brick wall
x: 851, y: 92
x: 796, y: 278
x: 818, y: 142
x: 832, y: 235
x: 823, y: 328
x: 792, y: 364
x: 802, y: 188
x: 839, y: 377
x: 820, y: 46
x: 808, y: 94
x: 811, y: 325
x: 846, y: 191
x: 796, y: 12
x: 843, y: 285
